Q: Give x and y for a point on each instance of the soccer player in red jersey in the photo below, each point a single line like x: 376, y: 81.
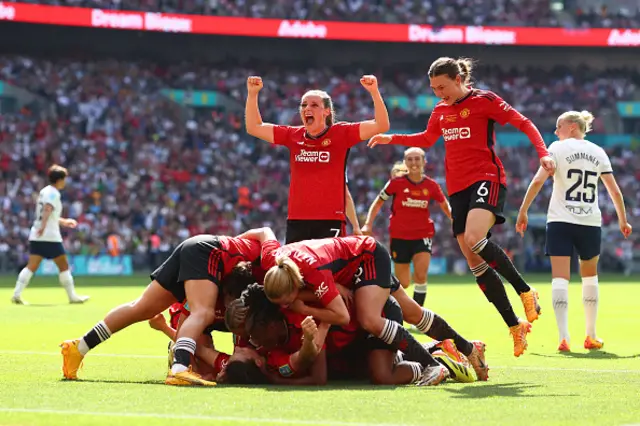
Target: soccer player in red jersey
x: 410, y: 226
x: 359, y: 263
x: 318, y: 153
x: 476, y: 180
x: 193, y: 273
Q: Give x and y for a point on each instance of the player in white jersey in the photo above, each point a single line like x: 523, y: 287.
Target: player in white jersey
x: 45, y: 239
x: 574, y: 219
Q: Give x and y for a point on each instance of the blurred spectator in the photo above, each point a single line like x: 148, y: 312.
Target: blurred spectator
x: 157, y: 173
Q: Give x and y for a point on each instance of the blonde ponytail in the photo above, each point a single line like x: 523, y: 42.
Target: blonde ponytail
x: 582, y: 119
x: 282, y: 279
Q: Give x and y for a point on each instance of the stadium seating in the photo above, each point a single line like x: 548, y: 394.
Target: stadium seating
x: 142, y: 164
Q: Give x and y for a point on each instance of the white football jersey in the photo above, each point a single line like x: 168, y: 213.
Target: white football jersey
x: 48, y: 195
x: 575, y: 183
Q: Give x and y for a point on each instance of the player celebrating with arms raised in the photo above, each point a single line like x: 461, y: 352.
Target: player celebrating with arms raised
x: 476, y: 180
x: 574, y: 218
x: 318, y: 155
x: 45, y: 239
x: 410, y: 225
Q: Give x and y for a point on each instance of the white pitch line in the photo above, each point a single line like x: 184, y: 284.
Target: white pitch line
x: 189, y: 417
x: 499, y: 367
x: 92, y: 355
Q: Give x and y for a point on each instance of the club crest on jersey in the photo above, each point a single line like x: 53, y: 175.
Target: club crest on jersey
x: 285, y: 371
x: 425, y: 192
x: 465, y: 113
x: 326, y: 142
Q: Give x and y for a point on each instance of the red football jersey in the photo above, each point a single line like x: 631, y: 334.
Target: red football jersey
x: 231, y: 252
x: 468, y: 128
x: 410, y: 218
x: 323, y: 262
x: 317, y: 176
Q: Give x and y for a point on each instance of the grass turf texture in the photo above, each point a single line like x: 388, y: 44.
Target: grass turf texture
x: 122, y: 380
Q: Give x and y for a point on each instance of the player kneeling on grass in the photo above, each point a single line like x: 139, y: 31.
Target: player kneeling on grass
x: 193, y: 273
x: 574, y: 218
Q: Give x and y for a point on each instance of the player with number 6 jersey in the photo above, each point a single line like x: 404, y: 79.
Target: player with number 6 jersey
x: 319, y: 199
x: 476, y: 181
x: 410, y: 225
x: 574, y: 219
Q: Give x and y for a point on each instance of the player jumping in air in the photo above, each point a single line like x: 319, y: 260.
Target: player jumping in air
x: 476, y: 180
x: 318, y: 153
x: 45, y: 239
x: 574, y: 219
x: 410, y: 225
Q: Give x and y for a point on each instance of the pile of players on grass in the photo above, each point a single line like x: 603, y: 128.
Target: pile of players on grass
x: 279, y: 343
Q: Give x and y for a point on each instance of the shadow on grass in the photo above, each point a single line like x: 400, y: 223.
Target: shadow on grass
x: 513, y: 390
x: 596, y: 354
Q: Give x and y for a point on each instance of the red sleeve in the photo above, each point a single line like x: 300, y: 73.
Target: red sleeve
x: 321, y: 283
x: 352, y: 133
x: 436, y: 192
x: 268, y: 254
x: 280, y: 361
x: 282, y: 135
x: 424, y: 139
x: 503, y: 113
x: 388, y: 190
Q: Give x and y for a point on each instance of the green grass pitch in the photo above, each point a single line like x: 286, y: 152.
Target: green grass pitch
x: 122, y: 380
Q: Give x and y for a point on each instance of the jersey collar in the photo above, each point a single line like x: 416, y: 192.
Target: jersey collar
x: 464, y: 98
x: 321, y: 134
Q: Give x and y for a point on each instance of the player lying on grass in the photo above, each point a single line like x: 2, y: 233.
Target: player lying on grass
x: 284, y: 354
x: 207, y: 361
x: 193, y: 274
x: 363, y: 266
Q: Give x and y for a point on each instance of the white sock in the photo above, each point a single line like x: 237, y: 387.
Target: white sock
x: 83, y: 348
x: 590, y: 297
x: 66, y: 281
x: 22, y: 282
x: 560, y: 298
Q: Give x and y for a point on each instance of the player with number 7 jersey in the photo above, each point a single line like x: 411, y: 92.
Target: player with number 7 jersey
x: 476, y: 181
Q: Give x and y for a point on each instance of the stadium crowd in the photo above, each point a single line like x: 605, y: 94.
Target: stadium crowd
x: 142, y: 165
x: 434, y: 12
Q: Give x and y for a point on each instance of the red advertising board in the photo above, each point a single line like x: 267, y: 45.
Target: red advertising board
x: 356, y: 31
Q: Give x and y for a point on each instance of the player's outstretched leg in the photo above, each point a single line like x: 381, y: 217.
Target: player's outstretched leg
x: 154, y: 300
x: 434, y: 326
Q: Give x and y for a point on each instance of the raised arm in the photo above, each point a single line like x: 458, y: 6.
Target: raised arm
x: 618, y: 201
x: 534, y: 188
x: 380, y: 123
x: 252, y: 118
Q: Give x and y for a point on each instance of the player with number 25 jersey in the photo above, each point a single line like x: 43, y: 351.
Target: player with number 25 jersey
x: 574, y: 220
